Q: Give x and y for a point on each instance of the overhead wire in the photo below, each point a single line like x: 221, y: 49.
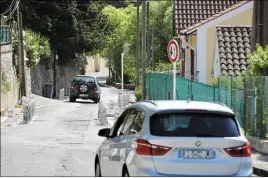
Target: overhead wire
x: 9, y: 8
x: 13, y: 11
x: 57, y: 3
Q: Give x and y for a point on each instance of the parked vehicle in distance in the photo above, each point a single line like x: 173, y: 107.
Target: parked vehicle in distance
x: 85, y: 87
x: 174, y: 138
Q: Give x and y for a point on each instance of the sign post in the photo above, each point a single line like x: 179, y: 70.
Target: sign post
x: 173, y: 55
x: 122, y: 78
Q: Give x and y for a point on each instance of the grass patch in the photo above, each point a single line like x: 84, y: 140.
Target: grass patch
x: 3, y: 113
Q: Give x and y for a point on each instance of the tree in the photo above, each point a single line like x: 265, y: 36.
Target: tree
x: 259, y: 69
x: 121, y: 40
x: 72, y: 28
x: 123, y: 23
x: 259, y: 61
x: 163, y: 28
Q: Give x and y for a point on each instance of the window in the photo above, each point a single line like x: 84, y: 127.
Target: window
x: 138, y: 122
x: 84, y: 79
x: 129, y: 120
x: 193, y: 125
x: 117, y: 128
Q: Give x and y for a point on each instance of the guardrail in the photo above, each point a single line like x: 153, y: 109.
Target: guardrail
x: 28, y: 108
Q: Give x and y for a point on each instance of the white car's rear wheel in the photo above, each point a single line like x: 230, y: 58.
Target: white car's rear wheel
x: 97, y: 170
x: 125, y: 173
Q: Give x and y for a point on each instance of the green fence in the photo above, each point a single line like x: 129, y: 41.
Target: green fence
x: 247, y: 96
x: 5, y: 37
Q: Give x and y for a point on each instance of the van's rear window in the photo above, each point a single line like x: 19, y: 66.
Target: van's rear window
x: 193, y: 125
x: 84, y: 79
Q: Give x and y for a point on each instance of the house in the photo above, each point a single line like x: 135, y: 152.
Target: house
x: 202, y: 39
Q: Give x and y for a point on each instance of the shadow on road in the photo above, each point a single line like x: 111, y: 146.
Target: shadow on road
x: 82, y: 102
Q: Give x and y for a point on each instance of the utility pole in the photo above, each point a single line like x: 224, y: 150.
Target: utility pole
x: 152, y: 48
x: 54, y: 73
x: 147, y: 34
x: 138, y: 45
x: 143, y: 49
x: 21, y: 54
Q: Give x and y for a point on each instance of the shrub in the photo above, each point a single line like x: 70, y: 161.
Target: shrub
x: 138, y: 93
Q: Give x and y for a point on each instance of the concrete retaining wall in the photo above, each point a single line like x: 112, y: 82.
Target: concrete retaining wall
x: 258, y: 144
x: 40, y: 76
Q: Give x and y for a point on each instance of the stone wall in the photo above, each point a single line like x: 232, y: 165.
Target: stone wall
x: 11, y: 97
x: 41, y: 76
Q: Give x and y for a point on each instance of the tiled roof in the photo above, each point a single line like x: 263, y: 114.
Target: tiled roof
x: 234, y: 45
x: 190, y: 12
x: 193, y: 27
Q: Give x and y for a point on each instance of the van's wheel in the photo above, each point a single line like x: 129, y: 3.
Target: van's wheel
x: 125, y: 173
x: 97, y: 100
x: 72, y: 99
x: 97, y: 169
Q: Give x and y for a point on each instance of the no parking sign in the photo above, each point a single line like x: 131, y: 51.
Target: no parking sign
x: 173, y: 55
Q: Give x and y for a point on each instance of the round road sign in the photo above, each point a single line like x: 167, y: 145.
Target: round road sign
x: 173, y: 51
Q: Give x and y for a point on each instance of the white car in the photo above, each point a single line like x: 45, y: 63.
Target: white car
x: 174, y: 138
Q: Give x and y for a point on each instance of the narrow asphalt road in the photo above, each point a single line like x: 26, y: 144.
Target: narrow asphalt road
x: 60, y: 141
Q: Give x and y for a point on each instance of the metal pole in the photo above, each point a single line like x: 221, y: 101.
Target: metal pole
x: 231, y: 93
x: 174, y: 80
x: 109, y: 61
x: 143, y: 49
x: 138, y: 45
x: 122, y: 78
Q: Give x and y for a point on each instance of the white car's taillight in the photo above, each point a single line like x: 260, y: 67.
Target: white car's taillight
x: 239, y: 151
x: 143, y: 147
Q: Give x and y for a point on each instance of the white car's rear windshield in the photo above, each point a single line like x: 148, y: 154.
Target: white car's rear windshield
x: 193, y: 125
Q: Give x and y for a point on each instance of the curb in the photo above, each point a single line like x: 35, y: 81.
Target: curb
x: 260, y: 172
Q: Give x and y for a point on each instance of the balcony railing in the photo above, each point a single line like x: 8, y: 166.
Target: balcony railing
x: 5, y: 35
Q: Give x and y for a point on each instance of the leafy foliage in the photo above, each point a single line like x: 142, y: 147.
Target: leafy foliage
x: 37, y: 47
x: 165, y: 67
x: 123, y: 23
x: 120, y: 41
x: 5, y: 85
x: 234, y: 82
x: 72, y: 28
x: 138, y: 93
x: 162, y: 28
x: 259, y: 61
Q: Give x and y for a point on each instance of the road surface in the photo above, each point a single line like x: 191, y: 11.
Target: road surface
x: 60, y: 141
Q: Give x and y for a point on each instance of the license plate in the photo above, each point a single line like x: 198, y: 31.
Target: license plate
x: 197, y: 154
x: 83, y: 95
